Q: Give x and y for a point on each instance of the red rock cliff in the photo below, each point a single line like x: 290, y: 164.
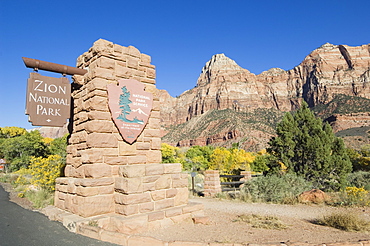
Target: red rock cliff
x: 328, y: 70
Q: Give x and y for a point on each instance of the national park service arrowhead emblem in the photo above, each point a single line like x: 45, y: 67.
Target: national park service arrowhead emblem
x: 130, y: 107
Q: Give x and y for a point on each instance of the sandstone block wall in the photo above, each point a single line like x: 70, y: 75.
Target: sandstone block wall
x: 212, y: 183
x: 104, y: 174
x: 247, y: 175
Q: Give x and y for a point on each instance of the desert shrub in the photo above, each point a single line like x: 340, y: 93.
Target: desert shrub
x: 20, y: 181
x: 345, y: 221
x: 359, y: 179
x: 93, y: 223
x: 13, y: 178
x: 275, y: 188
x: 24, y: 175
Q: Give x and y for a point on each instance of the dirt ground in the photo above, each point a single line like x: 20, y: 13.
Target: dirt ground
x: 223, y: 227
x: 298, y: 218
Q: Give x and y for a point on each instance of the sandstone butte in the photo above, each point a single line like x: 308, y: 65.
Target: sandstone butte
x: 223, y: 84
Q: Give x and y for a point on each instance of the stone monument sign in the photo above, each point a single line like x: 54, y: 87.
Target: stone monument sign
x: 114, y: 168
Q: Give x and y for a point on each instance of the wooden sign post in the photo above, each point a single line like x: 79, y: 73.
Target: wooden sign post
x: 48, y: 100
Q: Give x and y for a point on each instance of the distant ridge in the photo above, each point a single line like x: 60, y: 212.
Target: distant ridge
x: 326, y: 72
x: 51, y: 132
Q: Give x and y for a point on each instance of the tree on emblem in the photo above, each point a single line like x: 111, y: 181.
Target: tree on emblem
x: 124, y: 102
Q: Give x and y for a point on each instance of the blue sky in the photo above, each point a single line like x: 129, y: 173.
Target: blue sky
x: 181, y: 36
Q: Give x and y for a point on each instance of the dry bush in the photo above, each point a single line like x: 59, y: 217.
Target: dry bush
x: 345, y: 221
x: 259, y: 221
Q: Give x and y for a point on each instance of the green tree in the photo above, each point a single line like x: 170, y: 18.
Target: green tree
x: 259, y: 164
x: 59, y: 146
x: 309, y: 148
x: 18, y: 150
x: 198, y: 157
x: 9, y: 132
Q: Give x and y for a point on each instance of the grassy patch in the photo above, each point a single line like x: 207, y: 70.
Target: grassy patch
x: 40, y: 198
x: 259, y: 221
x: 93, y: 223
x: 8, y: 178
x: 5, y: 178
x: 345, y: 221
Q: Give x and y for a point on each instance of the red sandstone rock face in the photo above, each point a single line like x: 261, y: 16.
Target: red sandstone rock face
x: 222, y: 84
x: 328, y: 70
x: 342, y: 122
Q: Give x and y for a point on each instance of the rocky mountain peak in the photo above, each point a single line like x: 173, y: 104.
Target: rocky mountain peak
x: 221, y: 62
x: 328, y: 46
x: 273, y: 72
x: 217, y: 65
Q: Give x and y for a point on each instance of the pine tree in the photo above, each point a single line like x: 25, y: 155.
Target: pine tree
x: 124, y: 102
x: 309, y: 148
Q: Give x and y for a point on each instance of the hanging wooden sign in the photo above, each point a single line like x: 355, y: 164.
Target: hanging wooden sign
x: 48, y: 100
x: 130, y: 107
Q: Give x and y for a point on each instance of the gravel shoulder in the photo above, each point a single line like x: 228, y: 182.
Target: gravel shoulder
x: 223, y: 228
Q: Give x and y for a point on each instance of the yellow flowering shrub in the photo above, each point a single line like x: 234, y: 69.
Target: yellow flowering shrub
x: 47, y: 141
x: 357, y: 196
x: 21, y: 180
x: 45, y: 171
x: 24, y: 171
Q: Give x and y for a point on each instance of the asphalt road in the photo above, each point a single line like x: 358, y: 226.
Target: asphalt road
x: 19, y: 226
